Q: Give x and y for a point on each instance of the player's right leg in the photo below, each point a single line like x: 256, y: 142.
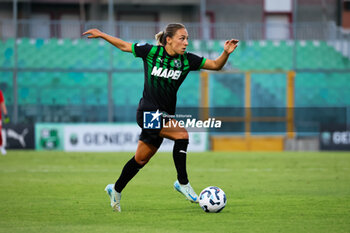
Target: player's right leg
x: 114, y: 196
x: 144, y: 153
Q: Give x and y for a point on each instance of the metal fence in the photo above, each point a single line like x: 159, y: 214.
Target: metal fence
x: 325, y: 31
x: 146, y: 30
x: 13, y: 72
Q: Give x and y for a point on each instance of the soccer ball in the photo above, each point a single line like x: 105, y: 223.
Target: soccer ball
x: 212, y: 199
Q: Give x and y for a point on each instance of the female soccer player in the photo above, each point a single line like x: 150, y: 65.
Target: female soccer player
x: 165, y: 68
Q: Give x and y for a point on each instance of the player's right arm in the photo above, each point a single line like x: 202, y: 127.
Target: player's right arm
x: 2, y: 104
x: 3, y: 108
x: 120, y: 44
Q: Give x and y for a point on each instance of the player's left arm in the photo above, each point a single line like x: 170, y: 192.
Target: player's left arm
x: 4, y: 111
x: 218, y: 63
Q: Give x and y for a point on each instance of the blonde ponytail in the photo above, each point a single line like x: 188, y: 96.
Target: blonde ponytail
x: 170, y: 31
x: 160, y: 38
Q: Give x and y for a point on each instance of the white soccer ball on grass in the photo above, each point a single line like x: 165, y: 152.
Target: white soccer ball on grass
x: 212, y: 199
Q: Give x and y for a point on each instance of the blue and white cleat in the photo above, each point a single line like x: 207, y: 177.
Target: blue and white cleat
x: 187, y: 191
x: 3, y: 151
x: 114, y: 196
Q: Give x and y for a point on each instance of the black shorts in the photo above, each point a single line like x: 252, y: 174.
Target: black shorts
x: 150, y: 136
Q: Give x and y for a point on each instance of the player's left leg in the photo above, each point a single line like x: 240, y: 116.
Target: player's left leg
x: 180, y: 137
x: 2, y: 147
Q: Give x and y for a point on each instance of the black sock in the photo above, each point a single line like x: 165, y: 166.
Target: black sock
x: 179, y: 156
x: 130, y: 169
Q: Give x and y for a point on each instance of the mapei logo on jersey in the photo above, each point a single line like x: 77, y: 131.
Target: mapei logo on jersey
x: 165, y: 73
x: 152, y: 120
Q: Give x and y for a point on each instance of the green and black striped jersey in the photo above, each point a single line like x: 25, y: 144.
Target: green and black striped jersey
x: 163, y: 75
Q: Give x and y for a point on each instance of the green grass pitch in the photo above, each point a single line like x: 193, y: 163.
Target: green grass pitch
x: 266, y: 192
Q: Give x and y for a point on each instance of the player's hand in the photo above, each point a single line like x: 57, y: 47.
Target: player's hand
x: 94, y: 33
x: 230, y: 45
x: 6, y: 119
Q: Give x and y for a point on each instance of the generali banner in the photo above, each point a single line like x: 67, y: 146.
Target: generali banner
x: 117, y: 137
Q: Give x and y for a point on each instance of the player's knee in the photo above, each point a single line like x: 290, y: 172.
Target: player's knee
x: 143, y: 159
x: 141, y: 162
x: 182, y: 135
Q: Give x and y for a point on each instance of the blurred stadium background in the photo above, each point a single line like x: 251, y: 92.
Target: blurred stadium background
x: 286, y: 87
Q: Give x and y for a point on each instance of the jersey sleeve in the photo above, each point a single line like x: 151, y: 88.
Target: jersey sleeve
x: 1, y: 97
x: 196, y: 62
x: 141, y: 50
